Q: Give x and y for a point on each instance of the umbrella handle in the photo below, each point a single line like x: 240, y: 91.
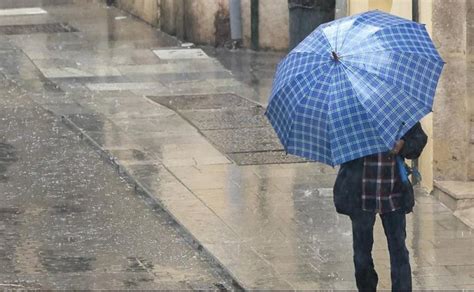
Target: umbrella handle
x: 402, y: 170
x: 399, y: 132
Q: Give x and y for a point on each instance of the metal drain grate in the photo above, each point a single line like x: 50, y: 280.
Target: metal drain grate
x: 235, y: 125
x: 36, y: 28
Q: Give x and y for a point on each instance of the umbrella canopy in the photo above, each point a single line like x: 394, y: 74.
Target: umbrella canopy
x: 353, y: 87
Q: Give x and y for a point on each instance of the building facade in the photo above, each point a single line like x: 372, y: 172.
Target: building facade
x: 449, y: 155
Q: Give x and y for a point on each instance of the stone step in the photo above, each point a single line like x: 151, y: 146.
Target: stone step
x: 456, y: 195
x: 459, y: 197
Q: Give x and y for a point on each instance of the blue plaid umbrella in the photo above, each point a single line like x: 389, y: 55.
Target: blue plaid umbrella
x: 353, y: 87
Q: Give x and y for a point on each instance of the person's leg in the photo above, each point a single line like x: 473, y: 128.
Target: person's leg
x: 363, y: 240
x: 394, y: 224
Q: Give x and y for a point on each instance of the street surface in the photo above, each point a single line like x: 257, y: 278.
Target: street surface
x: 187, y: 131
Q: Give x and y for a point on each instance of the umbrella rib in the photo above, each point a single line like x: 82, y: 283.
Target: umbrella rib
x: 301, y: 73
x: 435, y: 57
x: 345, y: 36
x: 330, y: 121
x: 381, y: 29
x: 296, y: 106
x: 327, y: 40
x: 349, y: 29
x: 388, y: 82
x: 372, y: 121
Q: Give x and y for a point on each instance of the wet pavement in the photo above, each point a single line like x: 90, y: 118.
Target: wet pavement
x: 189, y: 132
x: 69, y: 221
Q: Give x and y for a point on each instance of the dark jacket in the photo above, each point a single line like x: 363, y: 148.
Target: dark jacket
x: 348, y: 186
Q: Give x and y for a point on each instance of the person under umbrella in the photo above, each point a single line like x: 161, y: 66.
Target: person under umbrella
x: 373, y: 185
x: 352, y: 94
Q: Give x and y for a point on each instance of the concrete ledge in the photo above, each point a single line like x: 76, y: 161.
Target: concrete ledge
x: 466, y: 216
x: 459, y: 197
x: 169, y: 197
x: 455, y: 195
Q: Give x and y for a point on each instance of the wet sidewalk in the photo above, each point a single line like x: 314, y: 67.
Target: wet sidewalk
x: 188, y: 129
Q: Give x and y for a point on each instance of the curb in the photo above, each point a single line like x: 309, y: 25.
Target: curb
x: 152, y: 201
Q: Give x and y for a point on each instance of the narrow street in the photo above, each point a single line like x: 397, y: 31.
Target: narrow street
x: 67, y: 219
x: 129, y: 162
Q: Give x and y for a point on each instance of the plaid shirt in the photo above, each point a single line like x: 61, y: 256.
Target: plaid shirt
x: 380, y: 191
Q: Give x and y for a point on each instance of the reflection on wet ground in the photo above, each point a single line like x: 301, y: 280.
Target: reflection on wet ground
x: 270, y: 225
x: 67, y: 220
x: 7, y: 157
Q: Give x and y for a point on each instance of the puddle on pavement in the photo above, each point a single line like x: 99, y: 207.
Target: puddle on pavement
x: 8, y: 156
x: 8, y: 213
x: 66, y: 209
x: 233, y: 124
x: 57, y: 263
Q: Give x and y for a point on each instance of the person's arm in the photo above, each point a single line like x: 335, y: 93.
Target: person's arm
x: 413, y: 142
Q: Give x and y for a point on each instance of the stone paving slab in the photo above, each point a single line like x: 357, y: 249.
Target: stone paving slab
x: 227, y: 119
x: 22, y: 11
x: 68, y: 221
x: 244, y: 140
x: 202, y: 102
x: 180, y: 54
x: 264, y: 157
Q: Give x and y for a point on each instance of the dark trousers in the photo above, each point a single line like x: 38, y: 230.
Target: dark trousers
x: 394, y: 225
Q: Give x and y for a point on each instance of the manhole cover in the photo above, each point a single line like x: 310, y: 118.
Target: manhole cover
x: 36, y: 28
x: 178, y: 54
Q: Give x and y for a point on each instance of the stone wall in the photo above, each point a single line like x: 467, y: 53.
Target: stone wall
x: 207, y: 21
x: 470, y: 81
x: 172, y: 17
x: 148, y: 10
x: 452, y: 112
x: 273, y: 24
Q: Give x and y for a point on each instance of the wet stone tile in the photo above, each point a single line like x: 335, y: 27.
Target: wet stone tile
x: 227, y: 119
x: 112, y: 138
x: 244, y: 140
x: 129, y: 155
x: 264, y: 157
x: 90, y: 79
x: 89, y: 122
x: 184, y: 76
x: 125, y: 86
x: 36, y: 28
x: 208, y: 101
x: 158, y: 124
x: 67, y: 109
x: 202, y: 65
x: 55, y: 262
x: 180, y: 54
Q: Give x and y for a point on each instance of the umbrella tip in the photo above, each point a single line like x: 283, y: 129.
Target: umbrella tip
x: 335, y: 56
